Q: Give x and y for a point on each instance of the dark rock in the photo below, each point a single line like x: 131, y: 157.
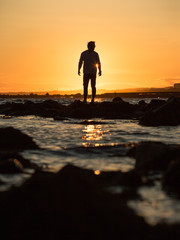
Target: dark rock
x: 50, y: 108
x: 9, y: 156
x: 101, y: 180
x: 167, y: 114
x: 114, y: 178
x: 171, y: 178
x: 154, y: 103
x: 156, y: 113
x: 117, y: 99
x: 113, y: 110
x: 142, y: 103
x: 139, y: 109
x: 79, y: 109
x: 72, y: 205
x: 14, y: 139
x: 29, y: 103
x: 11, y: 166
x: 15, y: 109
x: 77, y: 104
x: 153, y: 155
x: 68, y: 204
x: 51, y: 104
x: 47, y: 108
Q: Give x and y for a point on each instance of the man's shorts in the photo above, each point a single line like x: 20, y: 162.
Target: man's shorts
x: 88, y: 77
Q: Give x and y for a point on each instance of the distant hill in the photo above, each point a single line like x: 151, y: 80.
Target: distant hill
x: 99, y: 91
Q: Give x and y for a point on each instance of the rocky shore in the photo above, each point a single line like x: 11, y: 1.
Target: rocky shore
x: 156, y: 113
x: 77, y: 203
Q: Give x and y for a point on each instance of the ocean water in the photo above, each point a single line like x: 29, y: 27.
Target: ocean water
x: 98, y: 144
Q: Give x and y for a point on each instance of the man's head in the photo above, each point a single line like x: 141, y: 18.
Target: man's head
x: 91, y: 46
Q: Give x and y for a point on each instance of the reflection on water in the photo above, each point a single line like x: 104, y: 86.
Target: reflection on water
x: 93, y: 132
x: 97, y: 135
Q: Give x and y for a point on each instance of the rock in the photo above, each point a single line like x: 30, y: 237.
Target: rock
x: 51, y: 104
x: 139, y: 109
x: 68, y: 205
x: 171, y: 178
x: 101, y: 180
x: 71, y: 204
x: 11, y: 166
x: 9, y: 156
x: 29, y: 103
x: 167, y: 114
x: 111, y: 110
x: 13, y: 139
x: 156, y: 113
x: 117, y: 99
x: 16, y: 109
x: 115, y: 110
x: 47, y: 108
x: 142, y: 103
x: 154, y: 103
x: 77, y: 104
x: 78, y: 109
x: 127, y: 181
x: 153, y: 155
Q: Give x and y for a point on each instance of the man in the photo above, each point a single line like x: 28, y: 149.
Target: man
x: 90, y: 61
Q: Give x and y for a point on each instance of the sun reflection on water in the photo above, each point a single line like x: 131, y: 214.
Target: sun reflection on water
x: 93, y: 132
x: 96, y: 135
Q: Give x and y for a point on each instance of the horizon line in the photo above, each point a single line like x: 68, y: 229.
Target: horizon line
x: 81, y: 90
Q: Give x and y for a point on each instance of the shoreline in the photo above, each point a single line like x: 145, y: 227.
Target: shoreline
x: 151, y: 94
x: 157, y: 112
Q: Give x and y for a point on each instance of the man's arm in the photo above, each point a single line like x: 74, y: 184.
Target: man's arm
x: 99, y: 68
x: 80, y: 64
x: 99, y: 65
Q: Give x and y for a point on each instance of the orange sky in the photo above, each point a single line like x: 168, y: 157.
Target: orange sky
x: 41, y: 40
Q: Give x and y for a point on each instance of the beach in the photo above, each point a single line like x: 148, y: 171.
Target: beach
x: 80, y: 171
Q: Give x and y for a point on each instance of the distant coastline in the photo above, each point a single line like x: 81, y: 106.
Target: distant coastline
x: 146, y: 92
x: 152, y: 94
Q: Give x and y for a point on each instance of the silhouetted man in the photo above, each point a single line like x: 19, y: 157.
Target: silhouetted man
x: 90, y: 61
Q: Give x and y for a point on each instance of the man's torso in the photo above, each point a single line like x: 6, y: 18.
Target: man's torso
x: 90, y: 60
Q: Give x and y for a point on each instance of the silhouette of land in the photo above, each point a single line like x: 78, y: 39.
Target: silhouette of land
x: 101, y: 93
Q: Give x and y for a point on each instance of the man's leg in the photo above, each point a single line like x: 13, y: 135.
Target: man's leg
x: 93, y: 86
x: 85, y: 84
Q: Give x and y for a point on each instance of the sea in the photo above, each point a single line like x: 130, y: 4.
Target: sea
x: 97, y: 144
